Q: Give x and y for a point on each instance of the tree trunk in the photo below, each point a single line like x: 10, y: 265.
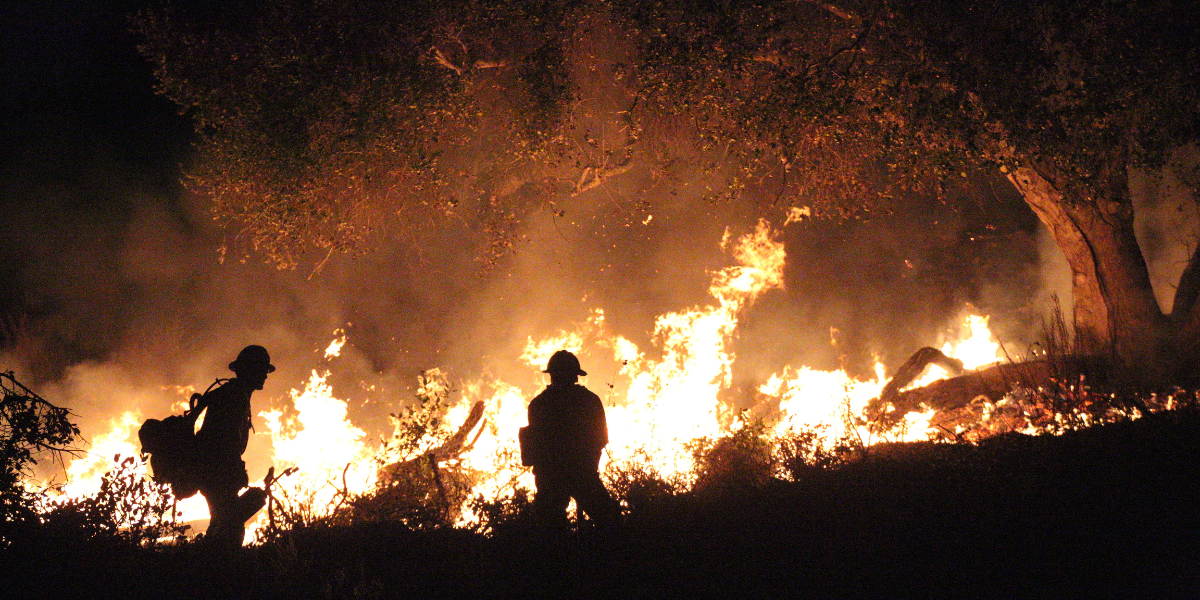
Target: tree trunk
x: 1115, y: 309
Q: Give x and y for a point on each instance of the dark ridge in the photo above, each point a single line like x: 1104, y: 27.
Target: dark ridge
x: 1104, y: 512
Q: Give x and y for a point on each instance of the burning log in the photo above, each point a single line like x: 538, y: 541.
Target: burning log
x: 913, y: 367
x: 949, y: 395
x: 454, y: 446
x: 992, y: 383
x: 420, y: 491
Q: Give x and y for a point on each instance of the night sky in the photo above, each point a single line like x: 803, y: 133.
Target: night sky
x: 86, y: 144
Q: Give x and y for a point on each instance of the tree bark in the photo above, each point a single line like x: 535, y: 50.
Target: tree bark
x: 1188, y: 290
x: 1115, y: 309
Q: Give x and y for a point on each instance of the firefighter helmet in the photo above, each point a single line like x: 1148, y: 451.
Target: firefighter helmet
x: 252, y: 357
x: 564, y: 362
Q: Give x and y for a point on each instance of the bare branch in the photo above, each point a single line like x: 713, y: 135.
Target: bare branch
x: 490, y: 64
x: 835, y: 10
x: 600, y: 175
x: 441, y: 59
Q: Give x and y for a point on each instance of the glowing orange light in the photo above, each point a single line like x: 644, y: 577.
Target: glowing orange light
x: 660, y: 406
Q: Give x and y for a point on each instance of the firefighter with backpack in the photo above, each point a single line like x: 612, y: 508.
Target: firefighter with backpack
x: 209, y: 461
x: 223, y: 436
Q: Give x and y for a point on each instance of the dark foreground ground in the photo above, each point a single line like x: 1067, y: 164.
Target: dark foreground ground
x: 1109, y: 512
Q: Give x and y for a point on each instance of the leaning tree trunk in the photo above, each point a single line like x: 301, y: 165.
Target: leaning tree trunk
x: 1115, y: 308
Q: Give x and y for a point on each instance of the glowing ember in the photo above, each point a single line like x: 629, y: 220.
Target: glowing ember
x: 335, y: 347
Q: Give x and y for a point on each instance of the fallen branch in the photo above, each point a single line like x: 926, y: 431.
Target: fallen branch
x: 992, y: 383
x: 451, y: 448
x: 913, y: 367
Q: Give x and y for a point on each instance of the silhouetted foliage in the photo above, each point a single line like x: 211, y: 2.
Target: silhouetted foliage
x: 129, y: 507
x: 30, y: 429
x: 503, y: 516
x: 739, y: 463
x: 803, y: 453
x: 425, y: 494
x: 420, y: 427
x: 1106, y: 511
x: 292, y: 510
x: 638, y: 485
x: 313, y: 115
x: 857, y: 100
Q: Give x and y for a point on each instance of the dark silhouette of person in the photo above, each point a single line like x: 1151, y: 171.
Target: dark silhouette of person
x: 567, y: 433
x: 220, y: 443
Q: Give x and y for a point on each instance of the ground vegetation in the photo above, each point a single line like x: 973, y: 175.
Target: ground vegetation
x: 1096, y: 509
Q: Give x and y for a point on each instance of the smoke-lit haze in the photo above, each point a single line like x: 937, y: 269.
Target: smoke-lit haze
x: 116, y: 294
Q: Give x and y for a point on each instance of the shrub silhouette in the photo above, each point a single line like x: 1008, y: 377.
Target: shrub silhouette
x: 30, y: 428
x: 804, y: 453
x: 129, y: 508
x: 735, y: 464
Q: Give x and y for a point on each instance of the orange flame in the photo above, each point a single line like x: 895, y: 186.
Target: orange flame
x: 663, y: 405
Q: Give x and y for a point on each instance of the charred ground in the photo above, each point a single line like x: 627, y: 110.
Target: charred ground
x: 1108, y: 511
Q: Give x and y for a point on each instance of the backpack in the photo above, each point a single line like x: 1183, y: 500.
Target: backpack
x: 171, y: 444
x: 532, y: 447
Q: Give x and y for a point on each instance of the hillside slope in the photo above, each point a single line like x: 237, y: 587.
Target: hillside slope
x: 1110, y: 511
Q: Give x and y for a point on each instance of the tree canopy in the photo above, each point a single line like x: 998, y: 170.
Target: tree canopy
x: 318, y: 119
x: 308, y: 112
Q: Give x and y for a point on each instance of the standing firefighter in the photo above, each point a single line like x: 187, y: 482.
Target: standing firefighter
x: 222, y: 439
x: 566, y: 434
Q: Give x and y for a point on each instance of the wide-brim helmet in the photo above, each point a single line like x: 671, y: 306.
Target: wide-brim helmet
x: 564, y: 362
x: 252, y: 358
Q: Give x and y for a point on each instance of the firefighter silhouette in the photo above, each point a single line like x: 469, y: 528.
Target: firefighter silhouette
x: 566, y: 434
x: 220, y: 443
